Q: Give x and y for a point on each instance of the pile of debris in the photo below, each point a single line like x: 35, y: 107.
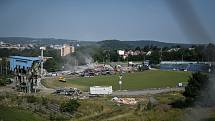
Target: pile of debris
x: 99, y: 69
x: 127, y: 101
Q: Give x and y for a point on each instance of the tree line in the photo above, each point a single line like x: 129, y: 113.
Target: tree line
x: 98, y: 54
x: 195, y: 53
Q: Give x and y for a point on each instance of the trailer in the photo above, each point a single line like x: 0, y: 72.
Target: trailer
x: 101, y: 90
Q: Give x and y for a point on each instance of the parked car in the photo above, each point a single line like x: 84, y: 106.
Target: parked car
x: 62, y: 79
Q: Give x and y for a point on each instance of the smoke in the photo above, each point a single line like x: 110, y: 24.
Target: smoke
x: 190, y: 24
x: 82, y: 56
x: 197, y: 114
x: 188, y: 21
x: 201, y: 109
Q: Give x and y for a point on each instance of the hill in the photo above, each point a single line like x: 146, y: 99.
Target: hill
x: 117, y: 44
x: 106, y: 44
x: 42, y: 41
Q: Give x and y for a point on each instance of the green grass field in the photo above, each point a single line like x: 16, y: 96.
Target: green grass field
x: 14, y: 114
x: 130, y: 81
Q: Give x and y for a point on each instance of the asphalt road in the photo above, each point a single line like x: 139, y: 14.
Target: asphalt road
x: 44, y: 89
x: 146, y: 91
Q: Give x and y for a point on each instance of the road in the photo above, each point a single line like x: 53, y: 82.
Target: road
x: 145, y: 91
x: 44, y: 89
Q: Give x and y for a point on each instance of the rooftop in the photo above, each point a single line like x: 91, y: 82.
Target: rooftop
x: 25, y: 58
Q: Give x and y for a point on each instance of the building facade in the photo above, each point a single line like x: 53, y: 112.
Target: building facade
x: 22, y: 62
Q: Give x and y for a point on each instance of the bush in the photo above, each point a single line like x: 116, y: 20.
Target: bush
x: 181, y: 103
x: 71, y: 106
x: 197, y: 83
x: 141, y: 106
x: 2, y: 82
x: 57, y: 117
x: 44, y: 101
x: 152, y: 103
x: 31, y: 99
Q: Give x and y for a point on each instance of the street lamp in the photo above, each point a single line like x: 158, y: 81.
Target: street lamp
x: 42, y: 49
x: 120, y: 82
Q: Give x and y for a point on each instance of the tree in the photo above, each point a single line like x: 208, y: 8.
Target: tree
x: 137, y: 48
x: 197, y: 83
x: 71, y: 106
x: 155, y: 57
x: 51, y: 65
x: 2, y: 82
x: 4, y: 66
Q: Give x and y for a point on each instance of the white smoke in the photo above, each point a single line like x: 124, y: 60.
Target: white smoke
x: 81, y: 57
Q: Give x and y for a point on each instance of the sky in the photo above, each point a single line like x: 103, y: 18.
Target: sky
x: 96, y: 20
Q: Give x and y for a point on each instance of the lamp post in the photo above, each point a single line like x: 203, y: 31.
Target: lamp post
x: 120, y: 82
x: 42, y: 49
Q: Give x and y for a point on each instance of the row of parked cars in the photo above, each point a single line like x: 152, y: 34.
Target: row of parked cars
x: 68, y: 91
x: 93, y: 72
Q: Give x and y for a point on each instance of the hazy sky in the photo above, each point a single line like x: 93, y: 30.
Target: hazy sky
x: 97, y: 20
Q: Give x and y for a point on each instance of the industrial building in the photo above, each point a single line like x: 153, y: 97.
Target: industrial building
x: 26, y: 71
x: 21, y: 61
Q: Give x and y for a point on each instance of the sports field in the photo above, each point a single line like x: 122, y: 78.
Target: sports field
x: 130, y: 81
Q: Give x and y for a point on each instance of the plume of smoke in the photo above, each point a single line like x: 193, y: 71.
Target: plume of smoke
x: 83, y: 56
x: 197, y: 113
x: 191, y: 25
x: 188, y: 21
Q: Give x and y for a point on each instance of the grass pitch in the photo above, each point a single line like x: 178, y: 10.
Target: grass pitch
x: 130, y: 81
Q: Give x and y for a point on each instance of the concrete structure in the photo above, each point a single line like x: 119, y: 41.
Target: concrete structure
x: 100, y: 90
x: 21, y: 61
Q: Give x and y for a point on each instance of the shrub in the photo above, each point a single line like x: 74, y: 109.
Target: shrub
x: 2, y: 82
x: 141, y: 106
x: 57, y: 117
x: 44, y: 100
x: 71, y: 106
x: 196, y: 84
x: 31, y: 99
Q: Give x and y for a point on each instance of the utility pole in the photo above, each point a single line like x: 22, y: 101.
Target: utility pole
x: 42, y: 49
x: 42, y: 62
x: 1, y: 64
x: 6, y: 66
x: 120, y: 82
x: 161, y: 54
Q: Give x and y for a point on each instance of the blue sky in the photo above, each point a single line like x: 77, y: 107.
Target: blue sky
x: 96, y: 20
